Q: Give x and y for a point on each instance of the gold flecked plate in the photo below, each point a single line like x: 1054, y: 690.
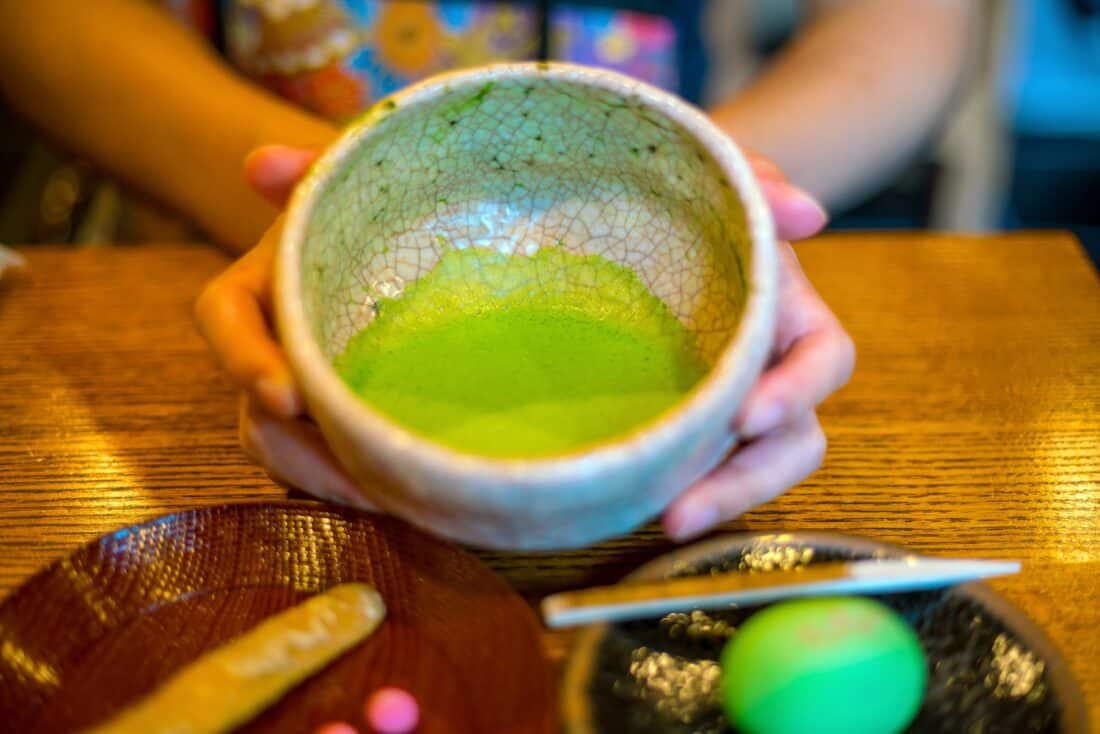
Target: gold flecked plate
x: 97, y: 630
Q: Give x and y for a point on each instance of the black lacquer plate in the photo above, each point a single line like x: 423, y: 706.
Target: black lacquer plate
x: 990, y: 669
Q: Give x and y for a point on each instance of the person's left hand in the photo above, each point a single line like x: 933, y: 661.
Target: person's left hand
x: 234, y: 314
x: 782, y: 444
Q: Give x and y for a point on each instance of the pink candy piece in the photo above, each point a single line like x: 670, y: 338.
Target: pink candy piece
x: 337, y: 727
x: 392, y: 711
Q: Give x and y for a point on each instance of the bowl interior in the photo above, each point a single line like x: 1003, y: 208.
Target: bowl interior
x: 512, y: 162
x: 989, y: 669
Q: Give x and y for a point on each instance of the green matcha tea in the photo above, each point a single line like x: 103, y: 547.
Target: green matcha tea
x: 522, y: 356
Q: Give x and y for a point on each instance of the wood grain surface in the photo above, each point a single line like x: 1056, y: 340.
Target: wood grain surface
x: 971, y: 427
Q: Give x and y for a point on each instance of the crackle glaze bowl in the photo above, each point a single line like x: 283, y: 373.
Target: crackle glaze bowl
x: 515, y: 157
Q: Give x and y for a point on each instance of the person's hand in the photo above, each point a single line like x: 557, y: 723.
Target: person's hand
x: 783, y: 442
x: 234, y: 315
x: 812, y: 357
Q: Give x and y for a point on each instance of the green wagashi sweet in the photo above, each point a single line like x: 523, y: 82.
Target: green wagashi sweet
x: 844, y: 665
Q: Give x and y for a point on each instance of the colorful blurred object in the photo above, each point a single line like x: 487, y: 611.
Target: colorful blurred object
x: 641, y: 45
x: 334, y: 57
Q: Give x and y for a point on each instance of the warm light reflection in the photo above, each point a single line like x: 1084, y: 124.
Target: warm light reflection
x: 37, y: 670
x: 117, y: 490
x: 695, y: 625
x: 679, y: 688
x: 1065, y: 500
x: 90, y: 592
x: 1018, y: 671
x: 773, y: 553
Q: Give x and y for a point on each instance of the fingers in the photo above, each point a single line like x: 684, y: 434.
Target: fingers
x: 755, y: 474
x: 814, y: 357
x: 231, y: 316
x: 274, y: 170
x: 797, y: 214
x: 294, y: 453
x: 763, y: 166
x: 818, y: 364
x: 231, y: 312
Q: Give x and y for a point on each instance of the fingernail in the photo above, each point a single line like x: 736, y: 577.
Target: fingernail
x: 762, y: 420
x: 806, y: 203
x: 694, y: 520
x: 278, y: 395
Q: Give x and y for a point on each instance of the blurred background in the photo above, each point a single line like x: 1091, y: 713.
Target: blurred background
x: 1021, y: 150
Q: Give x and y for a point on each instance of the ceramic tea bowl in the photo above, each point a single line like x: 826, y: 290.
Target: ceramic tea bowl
x: 517, y: 157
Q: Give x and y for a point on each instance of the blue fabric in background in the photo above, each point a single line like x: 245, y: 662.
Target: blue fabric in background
x: 1050, y: 101
x: 1050, y: 77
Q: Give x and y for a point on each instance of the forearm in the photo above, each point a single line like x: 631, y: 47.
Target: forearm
x: 141, y: 96
x: 856, y: 94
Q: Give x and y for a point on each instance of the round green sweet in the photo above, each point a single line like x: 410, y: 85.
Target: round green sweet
x: 844, y: 665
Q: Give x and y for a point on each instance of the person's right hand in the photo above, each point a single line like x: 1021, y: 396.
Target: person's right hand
x: 234, y: 315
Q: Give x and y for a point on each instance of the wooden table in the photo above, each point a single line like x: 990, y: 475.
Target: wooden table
x: 972, y: 425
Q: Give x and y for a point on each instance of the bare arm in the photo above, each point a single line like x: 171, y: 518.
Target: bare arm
x: 124, y: 84
x: 857, y: 92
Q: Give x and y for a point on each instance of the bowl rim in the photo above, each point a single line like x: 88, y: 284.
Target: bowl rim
x: 576, y: 715
x: 739, y: 363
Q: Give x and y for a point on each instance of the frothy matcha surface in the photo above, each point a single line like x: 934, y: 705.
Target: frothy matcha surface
x: 522, y: 356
